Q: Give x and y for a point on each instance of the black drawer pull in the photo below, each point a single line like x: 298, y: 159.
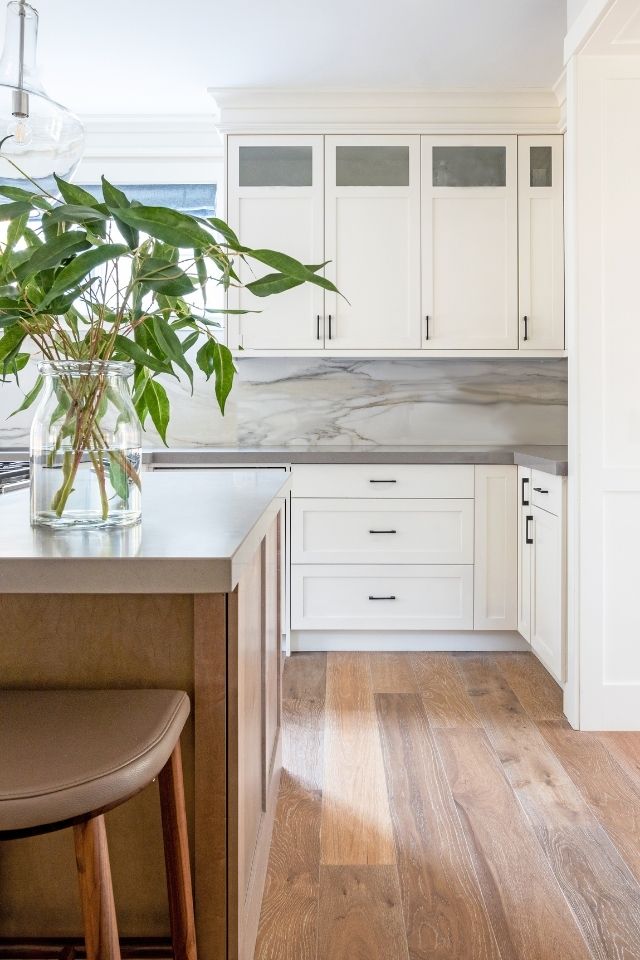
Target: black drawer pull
x: 525, y: 502
x: 382, y: 598
x: 383, y: 531
x: 527, y: 537
x: 383, y: 481
x: 540, y: 490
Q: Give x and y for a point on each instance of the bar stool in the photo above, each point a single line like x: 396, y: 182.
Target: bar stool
x: 69, y: 756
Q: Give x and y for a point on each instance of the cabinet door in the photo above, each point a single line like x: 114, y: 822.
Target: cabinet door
x: 496, y: 550
x: 275, y: 201
x: 469, y: 243
x: 372, y: 191
x: 525, y: 529
x: 541, y: 246
x: 547, y: 589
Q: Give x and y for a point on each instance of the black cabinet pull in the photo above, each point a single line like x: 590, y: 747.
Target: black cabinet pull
x: 527, y: 537
x: 383, y: 531
x: 383, y: 481
x: 318, y: 327
x: 330, y: 332
x: 426, y: 323
x: 381, y: 598
x: 525, y: 502
x: 526, y: 327
x: 540, y: 490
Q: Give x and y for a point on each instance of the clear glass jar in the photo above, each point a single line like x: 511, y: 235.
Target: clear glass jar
x: 86, y: 447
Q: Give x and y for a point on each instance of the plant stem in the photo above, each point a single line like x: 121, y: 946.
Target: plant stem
x: 98, y: 465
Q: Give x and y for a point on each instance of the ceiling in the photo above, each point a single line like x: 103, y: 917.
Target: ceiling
x: 156, y: 56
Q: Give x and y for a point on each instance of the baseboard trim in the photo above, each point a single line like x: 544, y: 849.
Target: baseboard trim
x: 407, y: 640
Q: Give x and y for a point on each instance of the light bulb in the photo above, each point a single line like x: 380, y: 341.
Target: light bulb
x: 20, y: 129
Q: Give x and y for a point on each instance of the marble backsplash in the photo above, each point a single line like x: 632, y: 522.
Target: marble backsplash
x: 279, y: 402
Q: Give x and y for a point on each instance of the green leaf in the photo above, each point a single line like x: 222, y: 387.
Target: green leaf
x: 118, y: 477
x: 91, y: 217
x: 9, y: 348
x: 30, y: 397
x: 16, y: 230
x: 189, y: 341
x: 272, y: 283
x: 225, y: 371
x: 170, y: 343
x: 80, y: 266
x: 24, y: 196
x: 290, y: 267
x: 9, y: 211
x: 204, y: 358
x: 225, y: 230
x: 172, y: 227
x: 158, y: 406
x: 74, y: 194
x: 115, y: 199
x: 134, y: 352
x: 51, y: 254
x: 166, y: 278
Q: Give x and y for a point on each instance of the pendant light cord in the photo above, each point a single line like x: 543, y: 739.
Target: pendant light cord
x: 22, y: 13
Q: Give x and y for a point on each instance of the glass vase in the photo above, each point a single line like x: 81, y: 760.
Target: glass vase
x: 86, y: 447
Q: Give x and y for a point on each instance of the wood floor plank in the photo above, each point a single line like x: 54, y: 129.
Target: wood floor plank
x: 444, y: 912
x: 625, y: 750
x: 356, y: 823
x: 391, y: 673
x: 611, y: 794
x: 304, y: 676
x: 536, y: 689
x: 530, y: 914
x: 602, y: 892
x: 445, y: 699
x: 289, y: 916
x: 360, y: 914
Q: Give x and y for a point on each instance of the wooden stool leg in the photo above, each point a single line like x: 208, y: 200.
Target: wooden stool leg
x: 176, y: 858
x: 96, y: 891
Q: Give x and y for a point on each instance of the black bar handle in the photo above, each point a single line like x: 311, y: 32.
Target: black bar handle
x: 527, y: 538
x: 540, y: 490
x: 330, y: 334
x: 383, y: 481
x: 426, y: 323
x: 383, y: 531
x: 381, y: 598
x: 524, y: 502
x: 318, y: 327
x: 526, y: 327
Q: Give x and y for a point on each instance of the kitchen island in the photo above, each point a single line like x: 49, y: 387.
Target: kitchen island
x: 189, y: 599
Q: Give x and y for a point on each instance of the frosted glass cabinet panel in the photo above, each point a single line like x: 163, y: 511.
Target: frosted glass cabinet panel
x: 469, y: 243
x: 275, y: 200
x: 541, y: 242
x: 372, y: 240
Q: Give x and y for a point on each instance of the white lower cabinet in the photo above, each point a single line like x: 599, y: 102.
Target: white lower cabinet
x: 542, y: 570
x: 496, y: 548
x: 395, y: 597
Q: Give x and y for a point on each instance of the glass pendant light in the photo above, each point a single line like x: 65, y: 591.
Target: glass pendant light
x: 39, y: 135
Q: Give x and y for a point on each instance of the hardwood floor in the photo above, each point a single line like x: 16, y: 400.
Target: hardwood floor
x: 439, y: 807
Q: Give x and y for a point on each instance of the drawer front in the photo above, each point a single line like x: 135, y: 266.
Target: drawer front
x: 441, y: 481
x: 363, y: 597
x: 547, y: 492
x: 381, y: 531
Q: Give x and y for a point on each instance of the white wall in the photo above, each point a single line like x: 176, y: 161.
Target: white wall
x: 574, y: 9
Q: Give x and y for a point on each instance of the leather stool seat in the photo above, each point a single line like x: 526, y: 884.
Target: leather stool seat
x: 65, y: 753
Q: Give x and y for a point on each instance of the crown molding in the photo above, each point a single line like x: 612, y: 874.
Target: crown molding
x: 259, y: 110
x: 138, y: 136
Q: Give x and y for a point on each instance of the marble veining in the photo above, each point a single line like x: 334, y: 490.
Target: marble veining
x: 320, y: 401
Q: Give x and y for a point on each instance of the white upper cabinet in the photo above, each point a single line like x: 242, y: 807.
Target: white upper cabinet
x: 275, y: 201
x: 372, y: 240
x: 469, y: 243
x: 541, y: 246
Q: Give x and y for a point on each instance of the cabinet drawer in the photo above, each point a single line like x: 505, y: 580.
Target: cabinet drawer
x: 442, y: 481
x: 381, y: 531
x: 425, y: 597
x: 546, y: 492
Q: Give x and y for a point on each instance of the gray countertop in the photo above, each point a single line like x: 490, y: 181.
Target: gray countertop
x: 550, y: 458
x: 198, y: 530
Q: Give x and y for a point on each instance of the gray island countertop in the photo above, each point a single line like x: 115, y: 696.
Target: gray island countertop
x: 198, y: 530
x: 551, y: 458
